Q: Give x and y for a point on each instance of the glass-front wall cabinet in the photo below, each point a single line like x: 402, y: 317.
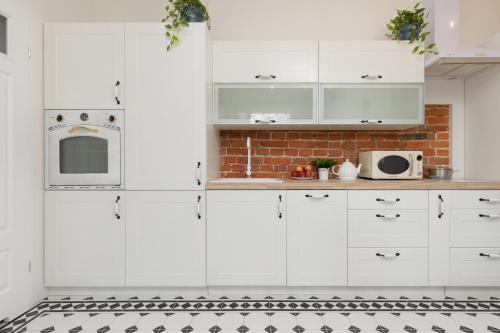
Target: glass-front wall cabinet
x: 265, y: 103
x: 372, y: 103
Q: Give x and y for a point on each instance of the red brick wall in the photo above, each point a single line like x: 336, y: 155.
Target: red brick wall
x: 275, y: 153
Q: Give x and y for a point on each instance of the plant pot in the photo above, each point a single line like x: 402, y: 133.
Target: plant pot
x: 406, y: 31
x: 323, y: 173
x: 193, y: 14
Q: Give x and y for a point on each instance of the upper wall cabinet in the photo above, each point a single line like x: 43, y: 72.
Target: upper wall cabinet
x: 84, y: 66
x: 369, y: 62
x: 265, y: 62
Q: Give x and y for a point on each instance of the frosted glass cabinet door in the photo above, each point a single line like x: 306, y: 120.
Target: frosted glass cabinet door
x: 372, y: 104
x: 265, y: 103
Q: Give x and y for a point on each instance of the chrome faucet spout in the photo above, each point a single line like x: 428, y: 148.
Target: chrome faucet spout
x: 249, y: 157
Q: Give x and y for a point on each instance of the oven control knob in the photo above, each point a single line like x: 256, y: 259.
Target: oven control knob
x: 59, y: 118
x: 84, y: 116
x: 112, y: 119
x: 419, y: 157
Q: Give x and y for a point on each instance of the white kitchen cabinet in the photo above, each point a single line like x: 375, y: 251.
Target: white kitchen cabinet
x: 388, y: 199
x: 84, y: 66
x: 317, y: 238
x: 246, y: 238
x: 475, y: 267
x: 480, y: 199
x: 265, y: 103
x: 388, y: 267
x: 165, y: 238
x: 439, y: 238
x: 265, y: 62
x: 84, y: 239
x: 166, y: 109
x: 369, y: 62
x: 475, y: 227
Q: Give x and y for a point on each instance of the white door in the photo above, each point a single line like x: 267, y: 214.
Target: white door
x: 166, y: 109
x: 317, y: 238
x: 17, y: 193
x: 165, y: 238
x: 246, y: 237
x: 84, y: 239
x: 84, y: 66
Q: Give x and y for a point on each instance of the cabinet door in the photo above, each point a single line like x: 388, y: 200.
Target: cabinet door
x: 246, y: 235
x: 276, y: 62
x: 84, y: 239
x: 369, y: 62
x: 165, y: 140
x: 478, y: 267
x: 317, y: 238
x: 165, y: 239
x: 439, y: 238
x: 372, y: 104
x: 265, y: 103
x: 84, y: 66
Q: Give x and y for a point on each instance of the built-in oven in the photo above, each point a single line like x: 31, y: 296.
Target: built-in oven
x: 391, y: 164
x: 84, y: 149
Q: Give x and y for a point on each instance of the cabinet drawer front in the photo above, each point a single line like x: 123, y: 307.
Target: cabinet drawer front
x: 400, y: 267
x: 475, y: 199
x: 335, y: 199
x: 369, y: 62
x: 388, y: 228
x: 475, y: 227
x: 263, y: 62
x: 475, y: 267
x: 389, y: 199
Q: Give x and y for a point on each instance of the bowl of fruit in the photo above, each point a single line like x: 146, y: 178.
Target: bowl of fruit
x: 303, y: 172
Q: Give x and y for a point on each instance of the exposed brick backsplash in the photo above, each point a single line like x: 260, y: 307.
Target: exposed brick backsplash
x: 275, y: 153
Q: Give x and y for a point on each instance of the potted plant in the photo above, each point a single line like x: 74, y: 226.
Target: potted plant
x: 323, y: 167
x: 179, y: 14
x: 409, y: 25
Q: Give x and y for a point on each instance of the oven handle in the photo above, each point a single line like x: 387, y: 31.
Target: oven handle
x: 83, y: 128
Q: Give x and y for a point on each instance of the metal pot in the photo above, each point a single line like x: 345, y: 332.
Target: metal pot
x: 441, y: 173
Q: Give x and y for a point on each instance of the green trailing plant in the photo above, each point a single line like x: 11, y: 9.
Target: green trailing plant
x: 323, y: 164
x: 415, y: 19
x: 178, y: 15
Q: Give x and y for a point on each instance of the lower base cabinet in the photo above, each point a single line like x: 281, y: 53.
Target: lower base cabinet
x: 475, y: 267
x: 317, y: 238
x: 165, y: 238
x: 246, y: 238
x: 84, y: 239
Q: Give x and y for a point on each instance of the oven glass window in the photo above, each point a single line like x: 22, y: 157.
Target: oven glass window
x: 393, y: 165
x: 82, y: 155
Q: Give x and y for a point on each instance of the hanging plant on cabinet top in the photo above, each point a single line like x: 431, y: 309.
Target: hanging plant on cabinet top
x: 179, y: 14
x: 409, y: 25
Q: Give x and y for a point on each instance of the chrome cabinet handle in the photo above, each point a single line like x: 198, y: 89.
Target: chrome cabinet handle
x: 280, y: 210
x: 372, y: 77
x: 117, y: 208
x: 492, y: 255
x: 265, y: 77
x: 388, y: 200
x: 388, y: 255
x: 317, y: 196
x: 117, y: 92
x: 490, y: 216
x: 371, y: 121
x: 388, y: 216
x: 270, y: 121
x: 489, y: 199
x: 441, y: 206
x: 198, y: 174
x: 198, y: 208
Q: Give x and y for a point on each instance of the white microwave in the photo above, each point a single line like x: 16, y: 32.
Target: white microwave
x: 391, y: 164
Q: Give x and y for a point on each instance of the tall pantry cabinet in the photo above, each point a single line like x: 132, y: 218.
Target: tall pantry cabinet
x: 161, y: 238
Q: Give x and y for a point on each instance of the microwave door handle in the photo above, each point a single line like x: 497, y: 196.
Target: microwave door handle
x: 411, y: 165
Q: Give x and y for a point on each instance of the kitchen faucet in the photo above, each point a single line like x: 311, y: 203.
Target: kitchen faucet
x: 249, y: 157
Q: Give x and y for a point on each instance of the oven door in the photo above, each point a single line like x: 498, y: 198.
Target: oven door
x: 395, y: 165
x: 84, y: 155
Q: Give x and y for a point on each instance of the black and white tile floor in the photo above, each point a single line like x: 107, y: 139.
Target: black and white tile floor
x: 250, y: 315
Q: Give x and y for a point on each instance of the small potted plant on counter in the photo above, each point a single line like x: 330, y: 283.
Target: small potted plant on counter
x: 179, y: 14
x: 323, y: 167
x: 408, y: 25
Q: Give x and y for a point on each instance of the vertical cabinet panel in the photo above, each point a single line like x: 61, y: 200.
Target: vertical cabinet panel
x: 84, y: 239
x: 246, y: 238
x: 439, y: 238
x: 165, y: 238
x: 84, y: 66
x: 317, y: 238
x: 166, y: 109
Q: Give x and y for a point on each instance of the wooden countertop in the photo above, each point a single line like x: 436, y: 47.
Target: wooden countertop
x: 362, y: 184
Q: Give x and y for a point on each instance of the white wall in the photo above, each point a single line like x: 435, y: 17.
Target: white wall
x: 482, y: 126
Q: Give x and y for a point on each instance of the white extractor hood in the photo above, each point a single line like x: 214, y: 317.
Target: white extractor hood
x: 454, y: 60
